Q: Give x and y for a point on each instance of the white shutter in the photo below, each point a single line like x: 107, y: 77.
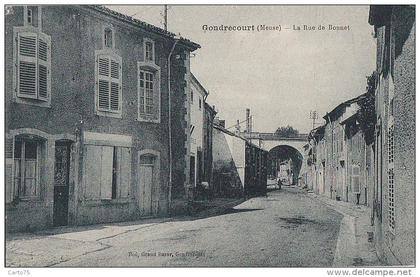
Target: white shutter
x: 124, y: 172
x: 103, y: 82
x: 356, y: 179
x: 9, y: 153
x: 106, y: 172
x: 92, y: 171
x: 44, y: 66
x: 115, y: 85
x: 27, y: 64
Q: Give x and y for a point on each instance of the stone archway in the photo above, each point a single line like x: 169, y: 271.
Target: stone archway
x: 283, y: 155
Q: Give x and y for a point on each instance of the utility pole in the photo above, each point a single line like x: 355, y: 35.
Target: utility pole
x: 314, y: 116
x: 165, y: 17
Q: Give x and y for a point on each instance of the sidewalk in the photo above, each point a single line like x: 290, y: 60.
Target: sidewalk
x: 56, y: 245
x: 353, y: 248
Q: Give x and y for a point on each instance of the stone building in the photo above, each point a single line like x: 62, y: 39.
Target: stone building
x: 339, y: 158
x: 88, y: 138
x: 394, y: 190
x: 209, y: 115
x: 239, y: 167
x: 197, y: 97
x: 335, y: 150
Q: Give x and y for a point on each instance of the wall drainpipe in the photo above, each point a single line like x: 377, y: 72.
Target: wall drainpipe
x: 170, y: 126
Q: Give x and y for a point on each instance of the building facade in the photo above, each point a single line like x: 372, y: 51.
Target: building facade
x: 209, y: 115
x: 339, y: 156
x: 87, y: 117
x: 239, y: 167
x: 394, y: 190
x: 197, y: 97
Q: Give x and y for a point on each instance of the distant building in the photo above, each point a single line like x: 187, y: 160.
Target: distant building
x: 196, y: 99
x: 209, y: 115
x: 339, y: 158
x: 239, y: 167
x: 201, y: 138
x: 394, y: 190
x: 335, y: 159
x: 87, y: 117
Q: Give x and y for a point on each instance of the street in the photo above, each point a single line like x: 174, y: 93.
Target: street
x: 285, y: 229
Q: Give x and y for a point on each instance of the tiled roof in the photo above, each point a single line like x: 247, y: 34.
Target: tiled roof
x: 143, y: 25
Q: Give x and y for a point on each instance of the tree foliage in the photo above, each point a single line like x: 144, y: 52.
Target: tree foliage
x: 366, y: 113
x: 287, y: 131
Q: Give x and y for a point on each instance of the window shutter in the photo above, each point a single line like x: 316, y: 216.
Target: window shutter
x: 109, y: 83
x: 103, y: 82
x: 106, y: 172
x: 356, y: 179
x: 115, y: 85
x: 92, y: 172
x: 44, y: 66
x: 9, y: 151
x: 27, y: 64
x: 125, y: 172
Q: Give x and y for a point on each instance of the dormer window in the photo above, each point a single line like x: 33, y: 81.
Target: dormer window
x: 108, y: 38
x: 149, y: 50
x: 29, y: 16
x: 32, y: 16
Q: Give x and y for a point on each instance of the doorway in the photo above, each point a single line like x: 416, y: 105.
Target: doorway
x: 147, y: 168
x: 61, y: 183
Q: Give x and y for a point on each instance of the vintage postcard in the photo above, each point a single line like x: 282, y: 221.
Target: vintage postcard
x: 210, y: 136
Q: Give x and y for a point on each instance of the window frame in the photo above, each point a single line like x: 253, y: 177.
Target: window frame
x: 36, y: 99
x: 111, y: 55
x: 104, y: 44
x: 154, y: 117
x: 145, y: 42
x: 16, y: 190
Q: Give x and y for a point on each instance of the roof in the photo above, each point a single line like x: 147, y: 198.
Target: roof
x: 224, y: 130
x: 317, y: 132
x: 379, y: 15
x: 351, y: 118
x: 195, y: 80
x: 209, y: 108
x: 342, y: 105
x: 149, y: 27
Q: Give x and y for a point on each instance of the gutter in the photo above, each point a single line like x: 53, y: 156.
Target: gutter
x: 170, y: 126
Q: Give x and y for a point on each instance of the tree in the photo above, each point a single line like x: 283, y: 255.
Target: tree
x: 366, y: 113
x: 287, y: 132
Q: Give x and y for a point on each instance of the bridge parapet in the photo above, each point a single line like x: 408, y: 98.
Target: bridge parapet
x: 273, y: 136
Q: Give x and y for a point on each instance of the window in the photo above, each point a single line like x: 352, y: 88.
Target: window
x: 108, y: 84
x: 33, y: 66
x: 149, y: 52
x: 107, y: 171
x: 29, y: 16
x: 199, y: 104
x: 26, y: 168
x: 192, y: 97
x: 108, y: 38
x: 355, y: 178
x: 148, y: 92
x: 32, y: 16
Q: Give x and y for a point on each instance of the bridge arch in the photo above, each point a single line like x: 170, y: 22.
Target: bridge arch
x: 285, y: 161
x: 271, y: 141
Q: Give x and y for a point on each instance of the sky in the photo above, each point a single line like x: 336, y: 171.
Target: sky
x: 280, y: 75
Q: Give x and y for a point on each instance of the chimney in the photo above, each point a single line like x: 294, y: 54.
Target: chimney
x: 250, y: 124
x: 238, y: 126
x: 222, y: 123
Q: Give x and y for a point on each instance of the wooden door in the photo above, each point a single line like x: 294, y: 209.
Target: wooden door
x: 61, y: 184
x: 146, y: 184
